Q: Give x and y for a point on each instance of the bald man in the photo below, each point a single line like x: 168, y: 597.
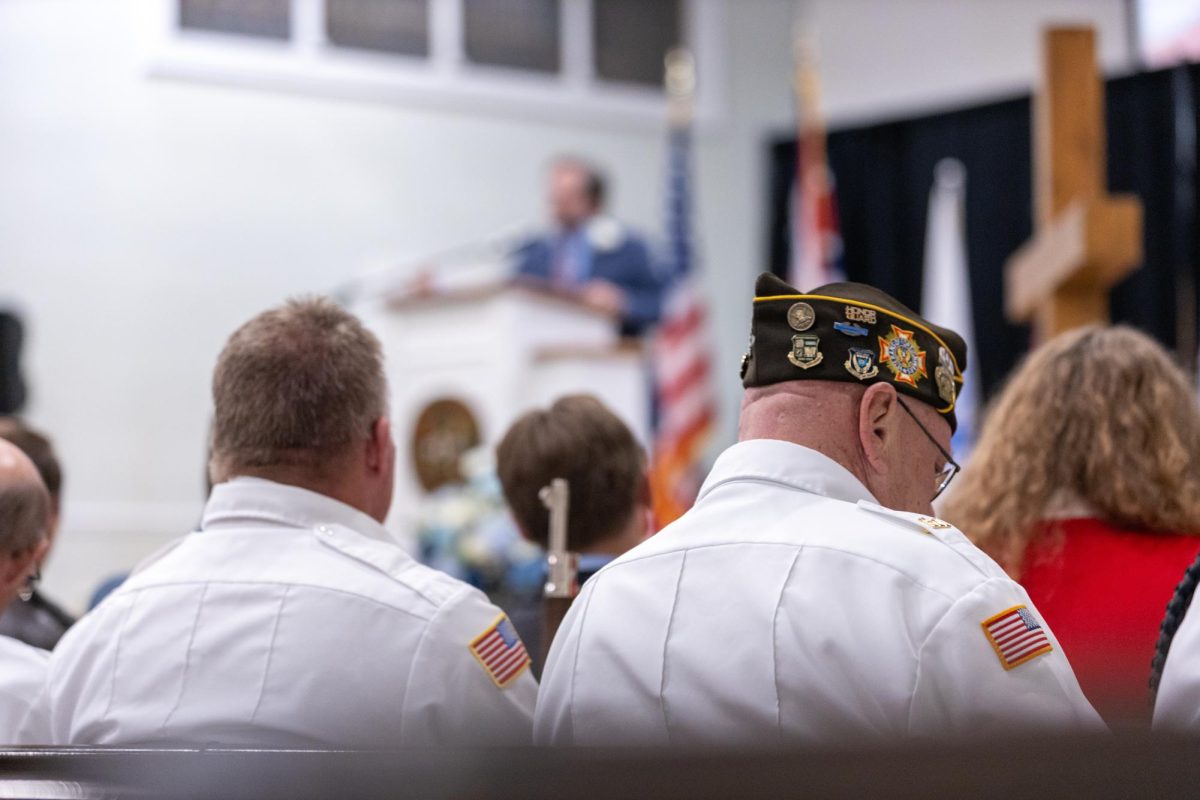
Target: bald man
x: 24, y: 518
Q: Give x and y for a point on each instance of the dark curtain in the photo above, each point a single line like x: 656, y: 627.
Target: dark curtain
x: 883, y: 175
x: 12, y: 387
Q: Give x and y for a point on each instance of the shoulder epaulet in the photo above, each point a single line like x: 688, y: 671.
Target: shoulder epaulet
x: 944, y: 532
x: 392, y: 561
x: 157, y: 555
x: 918, y: 522
x: 389, y: 559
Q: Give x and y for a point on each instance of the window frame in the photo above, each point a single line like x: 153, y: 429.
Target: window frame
x: 308, y: 64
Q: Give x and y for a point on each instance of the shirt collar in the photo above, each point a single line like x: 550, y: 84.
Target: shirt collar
x: 788, y: 464
x: 255, y: 502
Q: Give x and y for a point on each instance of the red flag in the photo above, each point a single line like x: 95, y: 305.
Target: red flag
x: 816, y: 240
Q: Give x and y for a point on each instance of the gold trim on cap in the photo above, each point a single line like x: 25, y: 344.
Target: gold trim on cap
x: 958, y: 376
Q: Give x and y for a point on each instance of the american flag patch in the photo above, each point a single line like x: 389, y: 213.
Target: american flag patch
x: 500, y: 650
x: 1016, y: 636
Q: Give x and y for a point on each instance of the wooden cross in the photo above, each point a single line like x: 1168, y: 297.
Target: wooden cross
x: 1086, y: 240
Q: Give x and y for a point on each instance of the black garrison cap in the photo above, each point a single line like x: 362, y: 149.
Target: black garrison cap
x: 853, y: 333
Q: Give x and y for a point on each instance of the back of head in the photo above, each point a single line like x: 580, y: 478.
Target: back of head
x: 855, y: 334
x: 1098, y: 418
x: 851, y: 372
x: 580, y: 440
x: 24, y: 506
x: 39, y: 450
x: 293, y: 388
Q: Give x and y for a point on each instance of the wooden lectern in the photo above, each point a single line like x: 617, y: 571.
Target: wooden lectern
x: 463, y: 364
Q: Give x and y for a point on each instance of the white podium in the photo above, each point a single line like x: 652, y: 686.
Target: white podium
x: 463, y: 364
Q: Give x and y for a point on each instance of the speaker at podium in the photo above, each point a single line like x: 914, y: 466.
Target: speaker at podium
x: 465, y: 360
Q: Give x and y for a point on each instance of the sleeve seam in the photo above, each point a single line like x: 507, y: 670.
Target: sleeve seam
x: 595, y: 582
x: 912, y: 695
x: 418, y: 652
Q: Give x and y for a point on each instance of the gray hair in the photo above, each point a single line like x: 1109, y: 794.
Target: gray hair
x: 293, y: 386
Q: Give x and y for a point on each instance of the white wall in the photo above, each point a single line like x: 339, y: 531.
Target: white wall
x: 141, y: 220
x: 881, y: 58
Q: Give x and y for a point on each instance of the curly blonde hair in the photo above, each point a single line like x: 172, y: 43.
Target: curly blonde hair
x: 1100, y: 417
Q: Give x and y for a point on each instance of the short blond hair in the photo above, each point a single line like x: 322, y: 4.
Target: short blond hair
x: 1101, y: 416
x: 293, y: 386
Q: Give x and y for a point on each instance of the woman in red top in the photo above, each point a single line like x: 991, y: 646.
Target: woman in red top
x: 1085, y: 487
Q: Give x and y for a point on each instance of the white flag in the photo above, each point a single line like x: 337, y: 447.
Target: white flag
x: 946, y: 294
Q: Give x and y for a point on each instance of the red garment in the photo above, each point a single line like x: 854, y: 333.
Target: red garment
x: 1103, y: 592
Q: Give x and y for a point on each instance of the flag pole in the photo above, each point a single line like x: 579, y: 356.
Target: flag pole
x: 816, y: 245
x: 685, y: 407
x: 806, y: 85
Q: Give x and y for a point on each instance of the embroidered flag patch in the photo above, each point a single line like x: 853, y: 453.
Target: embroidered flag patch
x: 1016, y: 636
x: 500, y: 651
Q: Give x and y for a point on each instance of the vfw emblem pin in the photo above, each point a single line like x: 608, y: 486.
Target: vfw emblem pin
x: 861, y: 364
x: 900, y: 352
x: 806, y: 351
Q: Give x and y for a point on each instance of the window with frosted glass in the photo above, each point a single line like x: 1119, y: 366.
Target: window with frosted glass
x: 264, y: 19
x: 386, y: 26
x: 523, y: 34
x: 630, y: 38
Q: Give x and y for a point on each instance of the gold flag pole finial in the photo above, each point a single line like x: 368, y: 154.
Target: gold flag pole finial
x: 680, y: 83
x: 805, y: 81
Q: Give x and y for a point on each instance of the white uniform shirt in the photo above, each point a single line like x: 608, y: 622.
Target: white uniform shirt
x: 290, y: 619
x: 787, y: 605
x: 1177, y: 706
x: 22, y: 673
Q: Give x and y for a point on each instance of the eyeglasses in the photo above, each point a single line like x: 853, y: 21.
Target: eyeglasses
x: 943, y: 478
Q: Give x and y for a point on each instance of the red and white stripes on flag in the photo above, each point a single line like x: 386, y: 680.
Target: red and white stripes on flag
x: 500, y: 651
x: 685, y: 403
x: 1017, y: 636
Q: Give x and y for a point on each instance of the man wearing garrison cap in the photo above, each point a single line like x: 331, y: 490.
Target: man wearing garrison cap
x: 810, y: 595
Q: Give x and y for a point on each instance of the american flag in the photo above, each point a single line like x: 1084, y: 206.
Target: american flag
x: 1017, y: 636
x: 685, y: 401
x: 816, y: 241
x: 501, y: 652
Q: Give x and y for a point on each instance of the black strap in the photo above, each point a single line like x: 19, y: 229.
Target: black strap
x: 1176, y: 610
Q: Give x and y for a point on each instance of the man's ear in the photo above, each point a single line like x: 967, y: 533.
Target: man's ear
x: 644, y: 489
x: 876, y: 414
x: 15, y: 569
x: 646, y: 499
x: 381, y: 451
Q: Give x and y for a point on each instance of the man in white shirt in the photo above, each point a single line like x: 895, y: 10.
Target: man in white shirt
x: 291, y: 618
x: 809, y: 595
x: 24, y: 519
